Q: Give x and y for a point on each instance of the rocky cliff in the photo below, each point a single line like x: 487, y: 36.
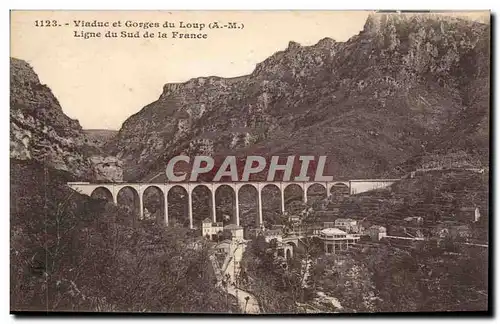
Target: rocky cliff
x: 405, y: 89
x: 107, y: 168
x: 100, y: 136
x: 40, y: 131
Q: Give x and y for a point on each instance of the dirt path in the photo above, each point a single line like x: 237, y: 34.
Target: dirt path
x: 247, y: 307
x: 246, y: 301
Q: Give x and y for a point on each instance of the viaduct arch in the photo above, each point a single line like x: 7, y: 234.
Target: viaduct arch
x: 355, y: 186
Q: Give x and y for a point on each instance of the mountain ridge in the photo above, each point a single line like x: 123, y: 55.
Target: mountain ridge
x: 407, y: 68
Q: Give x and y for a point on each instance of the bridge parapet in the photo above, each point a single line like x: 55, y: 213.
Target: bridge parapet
x: 359, y: 186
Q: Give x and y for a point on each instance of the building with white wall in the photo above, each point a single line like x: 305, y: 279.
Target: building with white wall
x: 211, y: 229
x: 346, y: 224
x: 336, y: 240
x: 376, y: 232
x: 236, y: 232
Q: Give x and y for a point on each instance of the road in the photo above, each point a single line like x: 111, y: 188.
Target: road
x: 252, y: 307
x: 235, y: 255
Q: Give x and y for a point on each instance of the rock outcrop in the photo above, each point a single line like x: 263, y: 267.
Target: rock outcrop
x: 401, y: 87
x: 40, y: 131
x: 107, y: 168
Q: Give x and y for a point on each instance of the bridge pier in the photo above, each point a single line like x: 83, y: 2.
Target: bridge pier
x: 165, y: 194
x: 214, y: 210
x: 237, y: 209
x: 282, y: 198
x: 259, y: 193
x: 141, y: 205
x: 190, y: 207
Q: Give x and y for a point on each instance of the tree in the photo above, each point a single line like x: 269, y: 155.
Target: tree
x: 313, y: 246
x: 427, y: 278
x: 350, y: 282
x: 70, y: 252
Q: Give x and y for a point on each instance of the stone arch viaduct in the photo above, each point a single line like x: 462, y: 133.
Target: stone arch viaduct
x: 354, y: 186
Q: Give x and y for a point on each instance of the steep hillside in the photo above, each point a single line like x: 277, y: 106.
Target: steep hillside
x: 69, y: 252
x: 434, y: 196
x: 39, y: 128
x: 405, y: 85
x: 100, y: 136
x: 40, y: 131
x: 464, y: 141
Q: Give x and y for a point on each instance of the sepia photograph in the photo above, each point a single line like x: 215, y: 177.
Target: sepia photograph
x: 250, y: 162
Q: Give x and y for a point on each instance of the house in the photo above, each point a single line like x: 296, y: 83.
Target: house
x: 468, y: 214
x: 335, y: 240
x: 346, y: 224
x: 376, y: 232
x: 236, y: 232
x: 211, y: 229
x: 303, y: 229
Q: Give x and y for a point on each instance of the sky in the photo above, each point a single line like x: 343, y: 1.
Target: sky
x: 103, y: 81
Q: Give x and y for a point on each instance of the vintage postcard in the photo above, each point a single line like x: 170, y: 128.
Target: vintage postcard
x: 250, y: 162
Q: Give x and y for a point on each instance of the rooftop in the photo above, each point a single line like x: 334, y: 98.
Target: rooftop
x: 333, y: 231
x: 232, y: 227
x: 218, y: 224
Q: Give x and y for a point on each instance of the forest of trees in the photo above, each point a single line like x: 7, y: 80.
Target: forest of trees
x: 72, y: 253
x: 277, y: 286
x: 426, y: 277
